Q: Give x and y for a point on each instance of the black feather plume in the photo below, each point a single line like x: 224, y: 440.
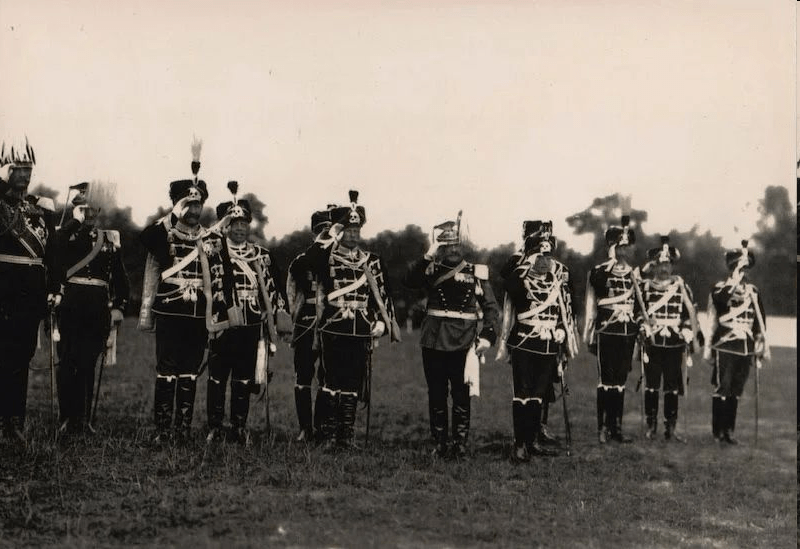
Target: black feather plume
x: 665, y: 240
x: 744, y: 243
x: 353, y: 196
x: 626, y: 219
x: 233, y: 187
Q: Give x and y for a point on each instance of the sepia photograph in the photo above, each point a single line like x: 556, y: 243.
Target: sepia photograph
x: 397, y: 273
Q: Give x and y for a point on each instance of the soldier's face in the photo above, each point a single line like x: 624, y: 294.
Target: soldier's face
x: 451, y: 253
x: 191, y: 215
x: 238, y: 231
x: 19, y: 178
x: 542, y: 264
x: 351, y: 236
x: 663, y: 270
x: 90, y: 217
x: 624, y: 253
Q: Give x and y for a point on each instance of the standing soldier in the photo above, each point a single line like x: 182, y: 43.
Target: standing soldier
x: 174, y: 300
x: 354, y: 307
x: 301, y: 291
x: 739, y: 336
x: 670, y: 308
x: 539, y: 332
x: 254, y: 293
x: 458, y: 294
x: 30, y: 279
x: 612, y: 326
x: 95, y: 297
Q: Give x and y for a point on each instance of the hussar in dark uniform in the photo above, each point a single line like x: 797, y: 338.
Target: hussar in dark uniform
x: 461, y: 318
x: 539, y: 336
x: 30, y: 278
x: 612, y: 325
x: 301, y: 292
x: 672, y: 327
x: 95, y: 296
x: 738, y: 326
x: 355, y: 307
x: 252, y: 274
x: 175, y: 298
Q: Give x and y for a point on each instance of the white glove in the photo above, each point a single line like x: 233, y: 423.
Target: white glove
x: 482, y: 346
x: 4, y: 172
x: 761, y: 349
x: 335, y: 232
x: 687, y: 335
x: 433, y: 246
x: 54, y: 300
x: 378, y: 329
x: 647, y: 329
x: 559, y: 335
x: 179, y: 209
x: 79, y: 213
x: 707, y: 353
x: 272, y: 349
x: 116, y: 316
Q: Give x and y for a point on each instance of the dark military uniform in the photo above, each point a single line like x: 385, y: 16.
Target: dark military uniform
x: 352, y: 297
x: 28, y: 272
x: 234, y: 352
x: 459, y: 296
x: 96, y: 284
x: 612, y: 317
x: 670, y: 308
x: 177, y: 254
x: 301, y: 291
x: 738, y: 324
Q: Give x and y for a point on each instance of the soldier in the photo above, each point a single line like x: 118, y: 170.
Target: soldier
x: 95, y: 297
x: 30, y: 280
x: 539, y: 333
x: 612, y: 324
x: 459, y: 294
x: 175, y: 300
x: 737, y: 316
x: 235, y: 352
x: 673, y: 326
x: 354, y: 307
x: 301, y: 291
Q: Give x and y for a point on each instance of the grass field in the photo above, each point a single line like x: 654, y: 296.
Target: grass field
x: 113, y: 489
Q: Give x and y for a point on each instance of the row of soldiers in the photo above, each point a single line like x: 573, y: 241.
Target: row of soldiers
x: 214, y: 298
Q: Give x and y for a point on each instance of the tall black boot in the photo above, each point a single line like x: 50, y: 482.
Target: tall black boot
x: 601, y: 413
x: 618, y: 411
x: 240, y: 410
x: 163, y: 404
x: 184, y: 406
x: 717, y: 413
x: 302, y: 403
x: 545, y: 437
x: 86, y: 380
x: 347, y: 418
x: 535, y: 417
x: 439, y: 426
x: 671, y: 417
x: 522, y: 431
x: 651, y: 411
x: 321, y: 405
x: 328, y: 421
x: 461, y: 413
x: 216, y: 408
x: 730, y: 405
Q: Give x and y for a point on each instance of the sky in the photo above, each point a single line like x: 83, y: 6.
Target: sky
x: 508, y: 110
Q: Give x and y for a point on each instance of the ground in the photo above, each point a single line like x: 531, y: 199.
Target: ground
x: 114, y: 489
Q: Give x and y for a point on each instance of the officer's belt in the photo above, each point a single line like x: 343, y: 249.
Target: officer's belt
x: 20, y: 260
x: 86, y: 281
x: 538, y: 323
x: 667, y: 321
x: 738, y: 329
x: 247, y: 293
x: 349, y: 304
x: 311, y: 301
x: 452, y: 314
x: 183, y: 282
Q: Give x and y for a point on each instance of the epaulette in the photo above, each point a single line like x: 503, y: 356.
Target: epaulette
x: 481, y: 271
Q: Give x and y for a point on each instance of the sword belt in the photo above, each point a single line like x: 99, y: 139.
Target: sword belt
x: 86, y: 281
x: 452, y: 314
x: 20, y: 260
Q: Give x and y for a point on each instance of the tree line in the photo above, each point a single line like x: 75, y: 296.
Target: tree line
x: 701, y: 262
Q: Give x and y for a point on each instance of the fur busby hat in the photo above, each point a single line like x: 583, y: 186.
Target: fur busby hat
x: 741, y: 256
x: 16, y: 165
x: 350, y: 216
x: 183, y: 188
x: 621, y: 235
x: 538, y: 236
x: 321, y: 220
x: 664, y: 253
x: 238, y: 208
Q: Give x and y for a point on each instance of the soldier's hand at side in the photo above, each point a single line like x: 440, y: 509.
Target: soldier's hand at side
x: 687, y: 335
x: 378, y: 329
x: 559, y: 335
x: 53, y: 300
x: 482, y: 346
x: 116, y: 316
x: 272, y: 349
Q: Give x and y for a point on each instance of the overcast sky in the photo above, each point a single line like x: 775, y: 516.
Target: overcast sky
x: 507, y: 110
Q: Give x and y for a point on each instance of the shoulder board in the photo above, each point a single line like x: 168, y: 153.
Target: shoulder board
x: 113, y: 237
x: 481, y: 271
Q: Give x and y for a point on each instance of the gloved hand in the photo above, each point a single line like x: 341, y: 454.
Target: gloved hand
x: 646, y: 329
x: 53, y: 300
x: 482, y: 346
x: 378, y: 329
x: 335, y: 232
x: 707, y: 353
x: 687, y: 335
x: 559, y: 335
x: 433, y: 246
x: 761, y: 348
x: 4, y: 172
x: 502, y: 352
x: 116, y: 316
x: 272, y: 349
x: 79, y: 213
x: 179, y: 209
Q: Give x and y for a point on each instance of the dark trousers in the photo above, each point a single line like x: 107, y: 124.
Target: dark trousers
x: 664, y: 362
x: 443, y: 368
x: 18, y: 335
x: 84, y: 323
x: 730, y: 373
x: 533, y: 375
x: 344, y: 365
x: 305, y: 357
x: 232, y: 354
x: 615, y: 357
x: 180, y: 345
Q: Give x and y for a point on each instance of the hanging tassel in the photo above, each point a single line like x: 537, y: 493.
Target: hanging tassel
x: 261, y: 362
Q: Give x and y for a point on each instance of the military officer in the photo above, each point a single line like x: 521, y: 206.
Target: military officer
x: 459, y: 296
x: 262, y: 307
x: 301, y: 291
x: 673, y: 326
x: 95, y: 296
x: 354, y: 307
x: 612, y: 325
x: 30, y: 278
x: 739, y: 338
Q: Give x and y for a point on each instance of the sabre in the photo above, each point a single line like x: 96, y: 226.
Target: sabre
x: 113, y: 334
x: 564, y: 393
x: 758, y: 367
x: 367, y: 392
x: 54, y: 337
